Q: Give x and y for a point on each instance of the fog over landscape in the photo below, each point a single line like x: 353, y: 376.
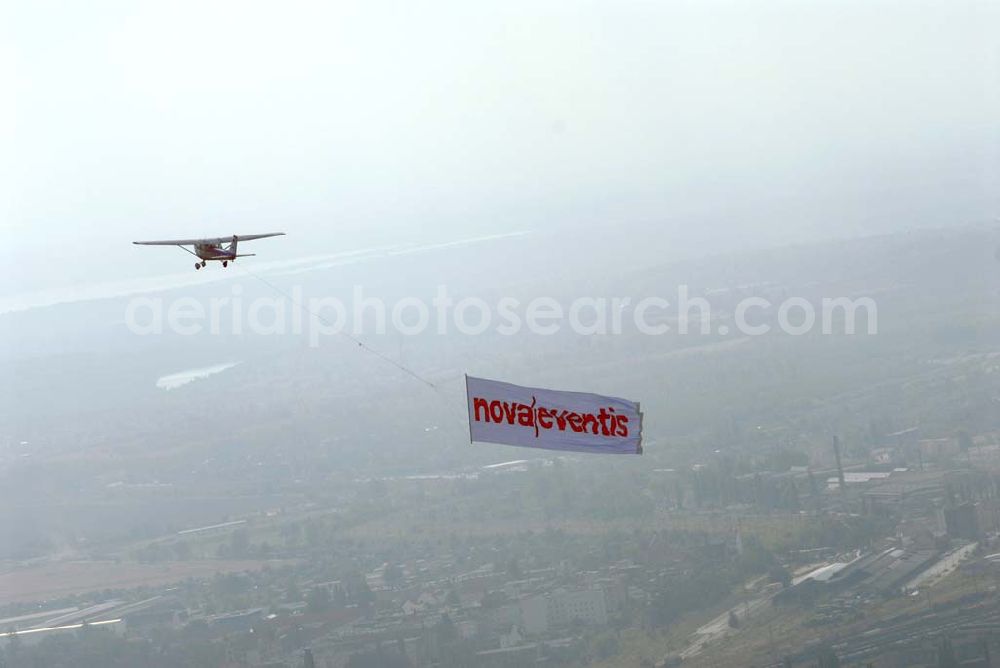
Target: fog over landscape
x: 775, y: 225
x: 677, y: 128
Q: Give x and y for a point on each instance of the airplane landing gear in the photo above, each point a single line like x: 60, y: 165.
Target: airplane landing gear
x: 203, y: 263
x: 197, y: 265
x: 225, y: 263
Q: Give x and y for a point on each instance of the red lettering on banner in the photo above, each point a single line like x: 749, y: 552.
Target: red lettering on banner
x: 622, y: 423
x: 604, y: 423
x: 575, y: 422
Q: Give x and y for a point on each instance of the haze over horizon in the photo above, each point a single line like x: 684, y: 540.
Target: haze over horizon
x: 688, y: 127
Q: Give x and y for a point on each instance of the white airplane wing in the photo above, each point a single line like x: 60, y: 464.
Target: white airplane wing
x: 180, y: 242
x: 213, y: 241
x: 251, y: 237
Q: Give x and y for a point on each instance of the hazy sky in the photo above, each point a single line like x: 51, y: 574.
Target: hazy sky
x: 350, y: 123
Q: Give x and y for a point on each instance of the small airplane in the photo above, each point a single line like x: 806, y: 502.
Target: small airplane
x: 212, y: 249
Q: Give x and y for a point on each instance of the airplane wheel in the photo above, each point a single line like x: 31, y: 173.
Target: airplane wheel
x: 203, y: 263
x: 197, y: 265
x: 225, y: 263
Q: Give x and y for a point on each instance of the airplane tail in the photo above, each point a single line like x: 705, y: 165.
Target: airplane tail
x: 232, y: 249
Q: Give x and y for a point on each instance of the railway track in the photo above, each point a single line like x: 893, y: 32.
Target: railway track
x: 959, y: 620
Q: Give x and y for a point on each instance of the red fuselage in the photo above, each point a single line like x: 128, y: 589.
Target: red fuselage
x: 213, y: 252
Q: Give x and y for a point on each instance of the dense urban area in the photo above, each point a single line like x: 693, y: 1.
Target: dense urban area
x: 780, y: 565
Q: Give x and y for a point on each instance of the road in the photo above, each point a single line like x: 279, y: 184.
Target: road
x: 719, y: 627
x: 944, y: 566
